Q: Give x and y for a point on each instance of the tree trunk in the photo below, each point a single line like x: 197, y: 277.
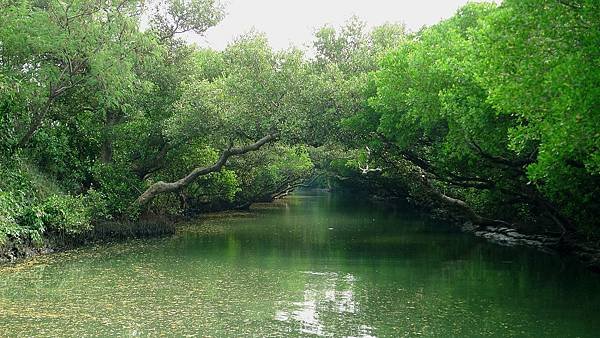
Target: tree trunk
x: 35, y: 124
x: 163, y: 187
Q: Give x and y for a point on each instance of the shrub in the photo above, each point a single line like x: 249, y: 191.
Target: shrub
x: 9, y: 208
x: 97, y: 204
x: 67, y: 214
x: 32, y: 224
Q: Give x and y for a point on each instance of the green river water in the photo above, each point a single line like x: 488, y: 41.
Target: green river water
x: 311, y: 265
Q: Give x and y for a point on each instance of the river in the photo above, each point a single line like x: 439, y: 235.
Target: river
x: 314, y: 264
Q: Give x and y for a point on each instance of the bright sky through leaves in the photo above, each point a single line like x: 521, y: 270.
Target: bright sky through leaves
x: 293, y: 22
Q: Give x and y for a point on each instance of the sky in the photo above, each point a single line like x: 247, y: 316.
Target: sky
x: 293, y: 22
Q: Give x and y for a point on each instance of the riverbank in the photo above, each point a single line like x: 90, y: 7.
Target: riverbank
x: 587, y: 252
x: 15, y: 250
x: 19, y: 249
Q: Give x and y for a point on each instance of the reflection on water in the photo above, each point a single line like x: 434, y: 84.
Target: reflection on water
x: 324, y: 292
x: 309, y: 266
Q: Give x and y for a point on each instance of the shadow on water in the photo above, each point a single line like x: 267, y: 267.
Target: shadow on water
x: 313, y: 264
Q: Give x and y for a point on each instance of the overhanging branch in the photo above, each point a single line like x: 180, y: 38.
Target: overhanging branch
x: 165, y: 187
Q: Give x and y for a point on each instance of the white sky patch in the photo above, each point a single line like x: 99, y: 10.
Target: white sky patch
x: 293, y: 22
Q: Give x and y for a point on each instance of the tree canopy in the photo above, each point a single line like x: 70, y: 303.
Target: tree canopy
x: 106, y: 113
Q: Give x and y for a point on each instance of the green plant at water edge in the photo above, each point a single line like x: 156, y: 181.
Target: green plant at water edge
x: 66, y: 214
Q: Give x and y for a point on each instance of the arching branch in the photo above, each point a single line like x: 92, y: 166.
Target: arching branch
x: 458, y: 204
x: 165, y: 187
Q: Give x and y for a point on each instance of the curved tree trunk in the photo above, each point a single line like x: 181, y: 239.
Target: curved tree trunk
x: 459, y: 204
x: 164, y: 187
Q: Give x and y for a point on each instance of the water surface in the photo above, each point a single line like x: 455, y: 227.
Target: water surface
x: 312, y: 265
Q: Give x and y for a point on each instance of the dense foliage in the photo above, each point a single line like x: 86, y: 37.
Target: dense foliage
x: 107, y: 114
x: 496, y: 112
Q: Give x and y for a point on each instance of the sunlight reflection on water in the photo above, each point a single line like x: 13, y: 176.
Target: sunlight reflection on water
x: 325, y: 292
